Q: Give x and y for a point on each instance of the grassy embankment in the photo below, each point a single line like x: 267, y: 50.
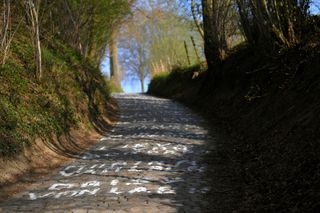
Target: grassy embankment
x: 270, y: 106
x: 42, y: 124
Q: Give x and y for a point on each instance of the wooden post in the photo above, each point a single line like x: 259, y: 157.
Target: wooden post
x: 195, y: 49
x: 187, y: 52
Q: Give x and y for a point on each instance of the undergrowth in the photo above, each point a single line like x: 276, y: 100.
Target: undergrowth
x: 174, y: 81
x: 71, y: 93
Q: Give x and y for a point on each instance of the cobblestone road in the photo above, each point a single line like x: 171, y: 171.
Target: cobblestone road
x: 151, y: 162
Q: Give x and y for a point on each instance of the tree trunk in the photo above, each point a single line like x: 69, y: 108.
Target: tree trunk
x: 211, y: 38
x: 245, y: 23
x: 34, y: 12
x: 5, y: 40
x: 114, y: 58
x: 6, y: 22
x: 271, y: 21
x: 196, y: 21
x: 38, y: 48
x: 142, y: 85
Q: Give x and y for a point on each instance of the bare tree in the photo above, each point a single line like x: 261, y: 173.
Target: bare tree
x: 32, y: 9
x: 134, y: 44
x: 76, y: 25
x: 5, y: 31
x: 273, y: 21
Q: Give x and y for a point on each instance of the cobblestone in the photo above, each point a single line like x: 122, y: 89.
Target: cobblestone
x: 151, y: 162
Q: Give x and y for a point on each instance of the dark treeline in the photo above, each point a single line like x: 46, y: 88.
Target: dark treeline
x: 266, y: 24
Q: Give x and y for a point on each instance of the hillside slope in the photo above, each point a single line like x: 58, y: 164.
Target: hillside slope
x: 270, y: 106
x: 43, y: 124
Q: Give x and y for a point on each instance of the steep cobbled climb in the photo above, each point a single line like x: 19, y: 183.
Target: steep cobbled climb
x: 152, y: 161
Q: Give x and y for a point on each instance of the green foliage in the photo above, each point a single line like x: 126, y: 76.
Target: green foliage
x: 84, y: 25
x: 170, y: 33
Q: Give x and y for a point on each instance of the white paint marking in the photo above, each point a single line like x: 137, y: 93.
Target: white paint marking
x: 114, y: 182
x: 172, y: 180
x: 137, y: 163
x: 202, y: 169
x: 180, y: 162
x: 33, y: 196
x: 180, y: 147
x: 135, y: 166
x: 167, y: 152
x: 102, y: 148
x: 59, y: 186
x: 66, y: 173
x: 66, y: 193
x: 114, y: 190
x: 158, y: 168
x: 94, y: 166
x: 192, y: 190
x: 205, y: 190
x: 101, y: 166
x: 137, y: 182
x: 90, y: 171
x: 165, y: 190
x: 138, y: 190
x: 104, y: 171
x: 90, y: 184
x: 118, y: 166
x: 90, y: 192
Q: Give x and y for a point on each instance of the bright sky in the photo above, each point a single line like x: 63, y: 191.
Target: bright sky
x: 130, y: 85
x: 315, y: 7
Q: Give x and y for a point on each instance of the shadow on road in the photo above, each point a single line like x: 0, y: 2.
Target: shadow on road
x: 159, y: 158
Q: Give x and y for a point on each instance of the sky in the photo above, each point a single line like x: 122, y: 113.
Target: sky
x: 315, y: 7
x: 129, y: 85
